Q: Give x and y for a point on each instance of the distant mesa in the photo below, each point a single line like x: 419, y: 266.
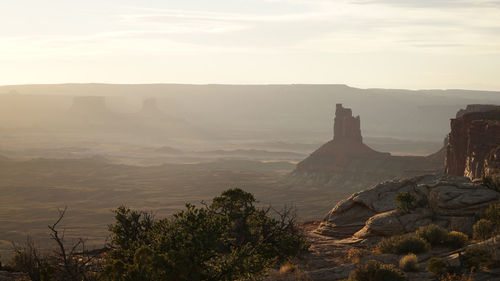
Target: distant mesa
x: 150, y: 106
x: 89, y: 104
x: 473, y: 148
x: 346, y: 161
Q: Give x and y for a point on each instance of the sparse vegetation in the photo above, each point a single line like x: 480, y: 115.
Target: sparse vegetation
x: 230, y: 239
x: 456, y: 239
x: 409, y: 263
x: 437, y: 266
x: 483, y: 229
x: 456, y: 277
x: 433, y: 234
x: 475, y: 257
x: 65, y: 263
x: 288, y: 267
x: 289, y: 272
x: 355, y: 255
x: 376, y: 271
x: 28, y: 259
x: 492, y: 213
x: 491, y: 182
x: 403, y: 244
x: 404, y: 202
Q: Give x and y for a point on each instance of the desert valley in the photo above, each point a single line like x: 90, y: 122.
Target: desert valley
x: 337, y: 159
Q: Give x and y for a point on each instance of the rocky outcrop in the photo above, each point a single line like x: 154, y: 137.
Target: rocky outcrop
x: 346, y: 162
x: 448, y: 201
x: 473, y: 142
x: 477, y: 108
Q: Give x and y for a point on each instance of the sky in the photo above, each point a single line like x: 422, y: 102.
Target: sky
x: 412, y: 44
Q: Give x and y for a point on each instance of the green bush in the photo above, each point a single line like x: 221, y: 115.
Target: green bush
x: 456, y: 239
x: 436, y: 266
x: 404, y: 202
x: 409, y: 263
x: 483, y: 229
x: 230, y: 239
x: 404, y: 244
x: 433, y: 234
x: 376, y: 271
x: 475, y: 257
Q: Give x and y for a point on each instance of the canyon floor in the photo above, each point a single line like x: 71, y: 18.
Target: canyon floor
x: 34, y: 190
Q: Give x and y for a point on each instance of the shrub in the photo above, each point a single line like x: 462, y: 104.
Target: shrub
x: 475, y: 257
x: 492, y: 213
x: 404, y: 202
x: 66, y: 262
x: 483, y: 229
x: 403, y: 244
x: 376, y: 271
x: 491, y: 183
x: 433, y: 234
x: 288, y: 272
x: 436, y: 266
x: 456, y: 239
x: 456, y: 277
x: 355, y: 255
x: 230, y: 239
x: 409, y: 263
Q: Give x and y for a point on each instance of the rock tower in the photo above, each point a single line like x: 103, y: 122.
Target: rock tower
x: 346, y: 127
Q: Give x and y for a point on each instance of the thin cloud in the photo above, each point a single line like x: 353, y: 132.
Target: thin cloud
x: 434, y: 3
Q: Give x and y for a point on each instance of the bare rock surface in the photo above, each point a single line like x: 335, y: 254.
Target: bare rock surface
x: 13, y: 276
x: 445, y: 200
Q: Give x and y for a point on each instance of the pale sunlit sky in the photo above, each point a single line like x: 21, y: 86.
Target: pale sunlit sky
x: 416, y: 44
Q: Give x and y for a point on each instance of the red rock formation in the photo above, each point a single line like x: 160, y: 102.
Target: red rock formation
x: 347, y: 161
x: 345, y: 126
x: 477, y: 108
x: 473, y: 143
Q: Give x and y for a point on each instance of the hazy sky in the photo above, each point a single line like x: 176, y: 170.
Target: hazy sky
x: 363, y: 43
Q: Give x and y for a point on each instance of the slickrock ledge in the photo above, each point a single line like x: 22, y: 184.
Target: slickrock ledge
x: 449, y: 201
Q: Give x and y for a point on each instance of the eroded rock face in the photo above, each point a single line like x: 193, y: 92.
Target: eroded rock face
x: 492, y: 163
x: 448, y: 201
x: 473, y: 143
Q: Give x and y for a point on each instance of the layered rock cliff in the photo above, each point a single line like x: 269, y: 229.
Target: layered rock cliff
x: 346, y: 162
x: 474, y: 141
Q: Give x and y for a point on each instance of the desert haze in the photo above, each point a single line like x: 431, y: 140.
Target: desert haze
x: 93, y: 147
x: 273, y: 140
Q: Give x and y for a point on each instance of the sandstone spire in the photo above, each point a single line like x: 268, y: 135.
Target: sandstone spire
x: 346, y: 127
